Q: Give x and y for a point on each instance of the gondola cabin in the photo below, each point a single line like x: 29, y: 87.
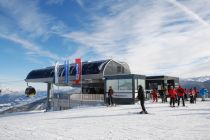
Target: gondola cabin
x: 30, y: 91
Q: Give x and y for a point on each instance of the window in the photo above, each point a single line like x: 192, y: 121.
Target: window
x: 122, y: 85
x: 125, y: 84
x: 122, y: 88
x: 113, y: 83
x: 118, y: 69
x: 136, y: 85
x: 142, y: 83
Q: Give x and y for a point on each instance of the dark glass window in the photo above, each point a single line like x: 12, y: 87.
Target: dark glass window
x: 42, y: 73
x: 118, y: 69
x: 87, y: 68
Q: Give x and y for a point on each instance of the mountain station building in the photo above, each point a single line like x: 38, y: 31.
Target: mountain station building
x: 96, y: 78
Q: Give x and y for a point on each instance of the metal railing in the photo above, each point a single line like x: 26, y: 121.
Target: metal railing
x: 67, y: 101
x: 88, y: 97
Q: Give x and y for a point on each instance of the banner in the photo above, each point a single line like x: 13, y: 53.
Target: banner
x: 66, y: 70
x: 56, y: 72
x: 78, y: 70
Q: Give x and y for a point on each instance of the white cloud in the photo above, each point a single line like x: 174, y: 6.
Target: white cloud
x: 33, y: 48
x: 27, y: 18
x: 190, y: 12
x: 80, y: 2
x: 24, y: 21
x: 155, y: 37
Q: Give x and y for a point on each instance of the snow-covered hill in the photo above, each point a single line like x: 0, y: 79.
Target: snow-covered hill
x: 208, y: 81
x: 198, y: 79
x: 111, y: 123
x: 17, y: 99
x: 198, y: 82
x: 7, y: 90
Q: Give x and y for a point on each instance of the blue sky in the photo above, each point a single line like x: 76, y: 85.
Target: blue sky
x: 169, y: 37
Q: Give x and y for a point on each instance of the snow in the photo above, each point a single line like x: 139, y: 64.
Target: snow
x: 111, y: 123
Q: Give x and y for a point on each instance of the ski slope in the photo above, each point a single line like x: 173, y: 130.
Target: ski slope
x: 111, y: 123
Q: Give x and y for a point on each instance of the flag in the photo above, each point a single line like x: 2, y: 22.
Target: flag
x: 56, y: 71
x: 78, y: 70
x: 66, y: 70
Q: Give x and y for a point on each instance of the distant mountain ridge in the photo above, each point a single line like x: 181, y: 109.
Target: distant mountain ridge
x: 198, y: 79
x: 10, y: 90
x: 208, y: 81
x: 198, y: 82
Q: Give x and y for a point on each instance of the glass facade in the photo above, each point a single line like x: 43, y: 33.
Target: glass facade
x: 113, y: 83
x: 122, y: 87
x: 87, y: 68
x: 137, y: 83
x: 42, y: 73
x: 142, y: 83
x: 125, y: 85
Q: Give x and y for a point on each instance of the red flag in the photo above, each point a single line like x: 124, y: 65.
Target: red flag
x: 78, y: 70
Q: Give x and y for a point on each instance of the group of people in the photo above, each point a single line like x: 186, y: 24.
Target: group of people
x: 175, y: 95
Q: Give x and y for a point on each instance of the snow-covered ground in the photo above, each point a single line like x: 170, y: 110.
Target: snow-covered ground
x: 111, y: 123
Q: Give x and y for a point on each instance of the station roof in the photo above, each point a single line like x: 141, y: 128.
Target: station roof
x: 91, y: 71
x: 95, y: 67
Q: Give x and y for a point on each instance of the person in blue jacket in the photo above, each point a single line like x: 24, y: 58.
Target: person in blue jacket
x: 203, y: 93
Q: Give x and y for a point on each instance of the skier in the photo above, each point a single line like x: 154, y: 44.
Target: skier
x: 110, y: 94
x: 196, y: 94
x: 172, y: 95
x: 185, y: 94
x: 192, y: 96
x: 141, y: 97
x: 203, y: 93
x: 162, y: 94
x: 180, y: 92
x: 154, y: 95
x: 166, y: 94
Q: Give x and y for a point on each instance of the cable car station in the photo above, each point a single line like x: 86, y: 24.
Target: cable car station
x: 96, y: 77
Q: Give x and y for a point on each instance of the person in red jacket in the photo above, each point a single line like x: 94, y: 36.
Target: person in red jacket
x: 180, y: 93
x: 155, y: 95
x: 172, y: 95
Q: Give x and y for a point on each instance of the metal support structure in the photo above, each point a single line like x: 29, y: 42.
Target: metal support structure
x: 49, y: 96
x: 81, y: 81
